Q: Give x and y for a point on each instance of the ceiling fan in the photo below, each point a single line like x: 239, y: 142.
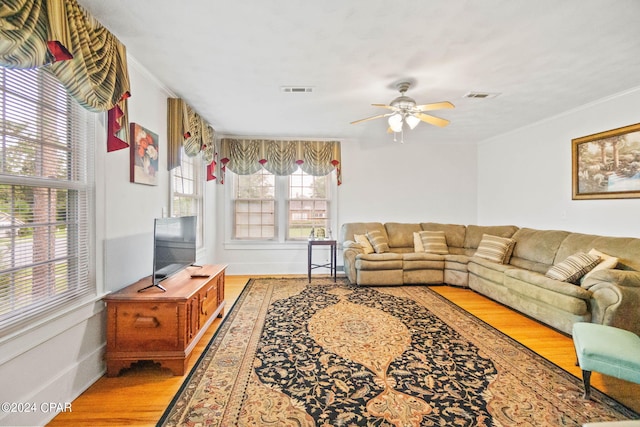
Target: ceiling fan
x: 405, y: 111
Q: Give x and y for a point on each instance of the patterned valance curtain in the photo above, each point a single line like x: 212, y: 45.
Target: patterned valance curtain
x: 280, y: 157
x: 87, y: 59
x: 185, y: 127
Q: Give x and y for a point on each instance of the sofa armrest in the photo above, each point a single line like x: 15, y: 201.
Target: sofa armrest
x: 628, y: 278
x: 350, y: 250
x: 351, y: 244
x: 616, y: 298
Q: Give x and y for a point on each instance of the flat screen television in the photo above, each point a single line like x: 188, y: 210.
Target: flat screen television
x: 174, y: 247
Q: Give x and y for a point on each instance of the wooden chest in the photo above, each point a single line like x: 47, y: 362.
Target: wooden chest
x: 162, y: 326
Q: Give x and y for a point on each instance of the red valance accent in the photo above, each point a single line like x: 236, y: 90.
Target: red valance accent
x: 59, y: 51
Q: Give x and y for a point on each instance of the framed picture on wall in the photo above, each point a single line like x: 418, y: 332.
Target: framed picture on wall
x: 606, y: 165
x: 144, y: 156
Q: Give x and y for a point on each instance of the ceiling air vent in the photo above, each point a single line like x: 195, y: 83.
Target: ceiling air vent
x: 480, y: 95
x: 296, y: 89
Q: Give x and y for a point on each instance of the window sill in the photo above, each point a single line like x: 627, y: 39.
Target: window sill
x: 254, y: 245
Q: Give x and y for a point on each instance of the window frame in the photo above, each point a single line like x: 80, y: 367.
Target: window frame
x: 281, y: 215
x: 78, y: 181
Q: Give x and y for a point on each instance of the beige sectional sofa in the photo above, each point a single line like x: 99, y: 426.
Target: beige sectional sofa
x: 608, y: 296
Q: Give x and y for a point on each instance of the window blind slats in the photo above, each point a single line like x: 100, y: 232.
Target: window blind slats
x: 46, y: 146
x: 187, y: 191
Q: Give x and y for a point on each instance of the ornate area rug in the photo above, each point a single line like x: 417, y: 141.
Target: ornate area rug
x: 291, y: 353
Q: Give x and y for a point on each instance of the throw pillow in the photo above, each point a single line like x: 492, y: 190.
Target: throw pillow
x: 364, y: 242
x: 495, y: 248
x: 417, y: 243
x: 573, y: 268
x: 378, y: 241
x: 606, y: 262
x: 434, y: 242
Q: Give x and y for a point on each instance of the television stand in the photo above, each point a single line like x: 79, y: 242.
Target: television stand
x: 162, y: 326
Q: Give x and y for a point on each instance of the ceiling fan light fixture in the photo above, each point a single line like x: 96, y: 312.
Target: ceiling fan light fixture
x: 412, y: 121
x: 395, y: 122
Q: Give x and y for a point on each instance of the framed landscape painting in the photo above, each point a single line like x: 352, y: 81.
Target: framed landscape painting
x: 144, y: 156
x: 606, y: 165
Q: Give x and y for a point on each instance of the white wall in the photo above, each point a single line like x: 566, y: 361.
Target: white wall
x: 524, y: 177
x: 57, y: 359
x: 418, y: 181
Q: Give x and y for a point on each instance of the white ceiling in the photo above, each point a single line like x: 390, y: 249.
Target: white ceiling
x: 229, y: 59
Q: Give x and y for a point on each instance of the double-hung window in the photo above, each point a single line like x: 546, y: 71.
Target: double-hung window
x: 46, y: 197
x: 187, y: 191
x: 308, y: 205
x: 280, y: 209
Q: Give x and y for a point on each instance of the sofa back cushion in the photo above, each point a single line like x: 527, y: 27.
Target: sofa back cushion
x: 401, y: 234
x: 474, y: 234
x: 536, y: 249
x: 626, y: 249
x: 454, y: 233
x: 349, y: 229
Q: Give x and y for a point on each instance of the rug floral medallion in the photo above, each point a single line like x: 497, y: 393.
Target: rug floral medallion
x: 291, y: 353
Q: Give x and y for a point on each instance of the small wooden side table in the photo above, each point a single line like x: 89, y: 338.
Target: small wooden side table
x: 333, y: 257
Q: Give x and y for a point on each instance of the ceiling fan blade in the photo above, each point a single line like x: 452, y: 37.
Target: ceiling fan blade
x: 385, y: 106
x: 434, y: 106
x: 437, y: 121
x: 371, y: 118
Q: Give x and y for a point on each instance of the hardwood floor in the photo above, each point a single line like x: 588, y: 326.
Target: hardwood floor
x: 139, y: 396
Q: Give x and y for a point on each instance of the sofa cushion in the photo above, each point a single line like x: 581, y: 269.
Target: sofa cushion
x: 364, y: 242
x: 494, y: 248
x: 454, y: 232
x: 422, y: 261
x: 538, y: 287
x: 456, y: 262
x: 536, y: 249
x: 400, y: 235
x: 385, y: 261
x: 474, y: 233
x: 606, y: 262
x: 379, y: 241
x: 347, y: 230
x: 626, y: 249
x: 487, y: 270
x: 573, y: 268
x: 434, y: 242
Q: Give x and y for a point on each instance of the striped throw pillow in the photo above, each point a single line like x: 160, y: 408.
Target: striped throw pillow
x: 364, y: 242
x: 573, y: 268
x: 434, y: 242
x: 378, y: 241
x: 496, y: 249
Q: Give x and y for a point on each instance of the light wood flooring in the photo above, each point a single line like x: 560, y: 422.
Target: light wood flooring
x: 139, y: 396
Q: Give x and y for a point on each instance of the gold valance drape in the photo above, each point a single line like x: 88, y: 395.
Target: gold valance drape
x: 89, y: 61
x: 185, y: 127
x: 280, y: 157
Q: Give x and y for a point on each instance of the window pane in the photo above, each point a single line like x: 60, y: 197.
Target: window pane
x: 308, y: 205
x: 255, y: 219
x: 187, y: 186
x: 260, y: 185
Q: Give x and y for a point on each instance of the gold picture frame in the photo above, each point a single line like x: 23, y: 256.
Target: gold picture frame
x: 606, y: 165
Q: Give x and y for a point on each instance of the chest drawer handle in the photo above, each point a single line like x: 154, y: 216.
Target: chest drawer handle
x: 146, y: 322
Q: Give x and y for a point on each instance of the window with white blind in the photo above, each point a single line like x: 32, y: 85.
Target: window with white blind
x: 280, y: 209
x: 187, y: 191
x: 46, y: 189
